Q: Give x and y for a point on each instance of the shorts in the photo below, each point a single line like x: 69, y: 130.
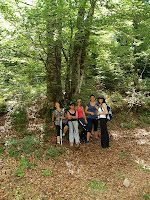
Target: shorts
x: 90, y: 123
x: 58, y: 128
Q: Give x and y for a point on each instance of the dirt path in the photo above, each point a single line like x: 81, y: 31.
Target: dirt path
x: 86, y: 173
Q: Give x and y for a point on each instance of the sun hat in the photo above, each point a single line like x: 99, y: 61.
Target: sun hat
x: 101, y: 96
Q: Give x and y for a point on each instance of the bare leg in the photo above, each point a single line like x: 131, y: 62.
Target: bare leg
x: 65, y: 130
x: 96, y: 134
x: 88, y: 136
x: 58, y: 139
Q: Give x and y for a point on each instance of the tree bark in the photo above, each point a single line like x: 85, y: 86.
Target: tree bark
x: 53, y: 62
x: 80, y: 46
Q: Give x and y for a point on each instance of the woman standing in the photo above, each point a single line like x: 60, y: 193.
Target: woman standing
x: 91, y: 110
x: 72, y: 116
x: 82, y: 120
x: 58, y: 114
x: 102, y: 112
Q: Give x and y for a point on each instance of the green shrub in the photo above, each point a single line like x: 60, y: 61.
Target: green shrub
x: 144, y: 118
x: 3, y: 108
x: 26, y: 145
x: 19, y: 120
x: 126, y: 120
x: 54, y: 153
x: 24, y: 163
x: 46, y: 172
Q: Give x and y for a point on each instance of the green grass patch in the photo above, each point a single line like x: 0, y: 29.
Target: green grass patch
x: 140, y: 167
x: 144, y: 118
x: 54, y: 153
x: 46, y: 172
x: 98, y: 185
x: 146, y: 196
x: 26, y: 145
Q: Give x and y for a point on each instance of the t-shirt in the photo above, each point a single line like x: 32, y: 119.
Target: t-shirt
x: 92, y: 109
x: 58, y: 114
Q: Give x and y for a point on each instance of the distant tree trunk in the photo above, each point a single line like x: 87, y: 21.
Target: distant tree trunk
x: 68, y: 61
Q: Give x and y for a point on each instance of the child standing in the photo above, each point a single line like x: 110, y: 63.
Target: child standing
x: 72, y: 116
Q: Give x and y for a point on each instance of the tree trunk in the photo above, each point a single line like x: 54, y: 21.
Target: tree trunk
x: 53, y: 62
x: 80, y: 47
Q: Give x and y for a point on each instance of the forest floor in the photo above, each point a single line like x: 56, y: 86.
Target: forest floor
x: 84, y: 173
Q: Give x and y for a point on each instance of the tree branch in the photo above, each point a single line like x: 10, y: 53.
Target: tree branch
x: 28, y: 56
x: 64, y: 53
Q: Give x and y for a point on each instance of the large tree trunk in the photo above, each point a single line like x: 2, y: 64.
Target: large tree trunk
x: 80, y: 47
x: 53, y: 62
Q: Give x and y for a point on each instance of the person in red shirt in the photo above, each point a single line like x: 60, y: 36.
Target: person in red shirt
x: 82, y: 119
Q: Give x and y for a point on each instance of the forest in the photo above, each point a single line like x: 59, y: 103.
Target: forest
x: 61, y: 51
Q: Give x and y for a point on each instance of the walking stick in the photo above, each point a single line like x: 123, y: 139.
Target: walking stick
x: 61, y: 131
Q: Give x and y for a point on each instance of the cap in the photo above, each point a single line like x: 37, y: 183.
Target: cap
x: 71, y: 103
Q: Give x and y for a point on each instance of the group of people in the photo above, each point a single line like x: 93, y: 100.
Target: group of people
x: 87, y: 118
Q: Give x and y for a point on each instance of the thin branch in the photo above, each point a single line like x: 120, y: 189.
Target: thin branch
x: 27, y: 4
x: 66, y: 58
x: 28, y: 56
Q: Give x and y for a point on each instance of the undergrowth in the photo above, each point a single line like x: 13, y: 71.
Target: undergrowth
x: 26, y: 145
x: 19, y: 120
x: 24, y: 163
x: 54, y: 153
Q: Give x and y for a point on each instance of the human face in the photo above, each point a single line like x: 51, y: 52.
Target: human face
x: 100, y: 101
x: 79, y: 103
x: 57, y: 105
x: 92, y: 98
x: 72, y: 106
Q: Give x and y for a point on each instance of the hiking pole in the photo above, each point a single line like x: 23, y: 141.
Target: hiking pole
x: 61, y: 131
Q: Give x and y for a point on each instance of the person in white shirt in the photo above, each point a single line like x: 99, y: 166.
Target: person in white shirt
x: 102, y: 116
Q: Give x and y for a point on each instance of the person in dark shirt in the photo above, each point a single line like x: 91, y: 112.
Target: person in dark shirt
x: 72, y: 116
x: 91, y: 111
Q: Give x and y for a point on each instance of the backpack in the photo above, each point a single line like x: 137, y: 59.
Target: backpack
x: 109, y: 115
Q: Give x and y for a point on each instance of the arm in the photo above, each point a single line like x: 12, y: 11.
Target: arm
x: 75, y: 117
x: 87, y: 112
x: 72, y: 117
x: 69, y: 116
x: 84, y: 115
x: 53, y: 117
